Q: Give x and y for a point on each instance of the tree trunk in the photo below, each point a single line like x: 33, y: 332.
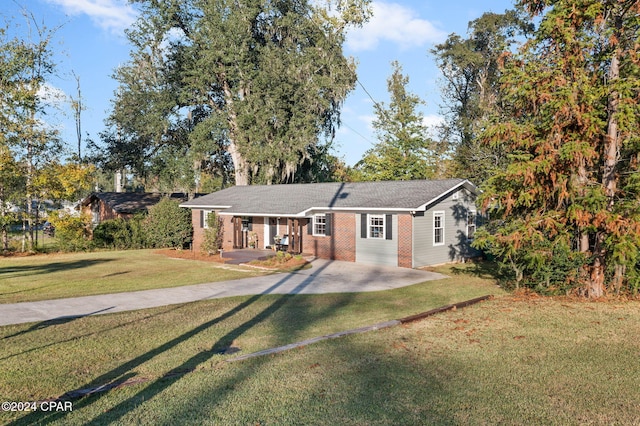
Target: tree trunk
x: 582, y: 182
x: 240, y: 166
x: 612, y: 142
x: 3, y: 221
x: 28, y: 233
x: 595, y: 286
x: 609, y: 179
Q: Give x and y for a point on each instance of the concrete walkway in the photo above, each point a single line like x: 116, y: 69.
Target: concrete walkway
x: 324, y: 277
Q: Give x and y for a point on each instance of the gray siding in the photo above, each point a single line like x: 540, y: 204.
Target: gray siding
x: 456, y: 245
x: 377, y: 251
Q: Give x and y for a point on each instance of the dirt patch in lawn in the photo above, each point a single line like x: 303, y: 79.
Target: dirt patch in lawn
x: 192, y: 255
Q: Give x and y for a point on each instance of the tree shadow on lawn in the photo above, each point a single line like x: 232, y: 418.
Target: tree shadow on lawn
x: 56, y: 321
x: 479, y: 268
x: 81, y: 336
x: 345, y: 382
x: 47, y: 268
x: 121, y: 374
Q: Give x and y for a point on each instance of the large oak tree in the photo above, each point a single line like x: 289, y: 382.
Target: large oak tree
x: 257, y: 81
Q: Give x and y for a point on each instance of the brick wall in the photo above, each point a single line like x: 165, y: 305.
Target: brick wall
x: 104, y: 211
x: 257, y: 232
x: 405, y: 232
x: 340, y: 245
x: 198, y: 231
x: 227, y: 236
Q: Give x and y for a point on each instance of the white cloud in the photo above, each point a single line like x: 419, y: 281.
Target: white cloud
x: 395, y: 23
x: 431, y: 122
x: 111, y: 15
x: 51, y: 95
x: 368, y: 120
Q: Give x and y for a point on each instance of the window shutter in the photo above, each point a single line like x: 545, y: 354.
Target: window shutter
x: 310, y: 226
x: 388, y: 223
x: 201, y: 218
x: 328, y: 224
x: 363, y: 225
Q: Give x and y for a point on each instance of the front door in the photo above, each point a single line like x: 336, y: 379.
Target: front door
x: 238, y: 238
x: 270, y: 231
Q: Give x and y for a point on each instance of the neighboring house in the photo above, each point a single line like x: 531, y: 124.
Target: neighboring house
x: 103, y: 206
x: 399, y: 223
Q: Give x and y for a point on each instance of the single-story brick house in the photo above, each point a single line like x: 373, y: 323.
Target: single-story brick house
x: 399, y: 223
x: 103, y: 206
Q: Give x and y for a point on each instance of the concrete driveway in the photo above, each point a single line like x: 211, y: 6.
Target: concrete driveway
x: 325, y: 276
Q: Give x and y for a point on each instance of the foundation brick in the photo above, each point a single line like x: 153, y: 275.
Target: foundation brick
x: 405, y: 232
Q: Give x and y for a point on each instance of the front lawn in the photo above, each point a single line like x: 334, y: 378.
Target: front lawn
x: 505, y: 361
x: 54, y: 276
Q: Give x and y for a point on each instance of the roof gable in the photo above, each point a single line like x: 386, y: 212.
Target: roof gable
x: 298, y: 199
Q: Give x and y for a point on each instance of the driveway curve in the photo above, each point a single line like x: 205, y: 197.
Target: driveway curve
x: 325, y: 276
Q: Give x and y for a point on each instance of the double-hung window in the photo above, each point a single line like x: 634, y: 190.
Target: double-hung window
x: 319, y: 224
x: 376, y: 226
x: 471, y: 224
x: 205, y: 218
x: 438, y: 228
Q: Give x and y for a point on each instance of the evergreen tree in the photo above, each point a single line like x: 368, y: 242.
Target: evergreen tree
x: 571, y: 134
x: 404, y: 151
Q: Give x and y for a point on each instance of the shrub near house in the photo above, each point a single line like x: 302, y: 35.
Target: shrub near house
x: 168, y: 225
x: 213, y: 235
x: 121, y: 233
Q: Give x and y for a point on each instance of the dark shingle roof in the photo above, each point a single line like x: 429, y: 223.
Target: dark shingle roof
x: 295, y: 199
x: 131, y: 202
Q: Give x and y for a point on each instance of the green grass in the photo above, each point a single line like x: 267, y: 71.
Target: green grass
x: 54, y: 276
x: 504, y: 361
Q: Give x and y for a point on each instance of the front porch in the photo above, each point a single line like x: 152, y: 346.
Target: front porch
x: 281, y: 233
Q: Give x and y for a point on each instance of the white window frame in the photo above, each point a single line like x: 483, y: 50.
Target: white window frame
x: 315, y: 232
x: 205, y: 218
x: 438, y: 214
x: 474, y: 214
x: 382, y: 235
x: 95, y: 214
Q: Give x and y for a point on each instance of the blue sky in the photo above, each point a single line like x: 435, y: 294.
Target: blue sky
x: 90, y: 43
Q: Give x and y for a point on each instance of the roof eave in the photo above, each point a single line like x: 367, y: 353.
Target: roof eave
x: 194, y: 206
x: 360, y: 209
x: 232, y: 213
x: 306, y: 212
